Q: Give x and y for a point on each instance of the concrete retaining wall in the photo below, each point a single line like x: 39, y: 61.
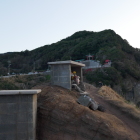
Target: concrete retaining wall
x: 18, y: 114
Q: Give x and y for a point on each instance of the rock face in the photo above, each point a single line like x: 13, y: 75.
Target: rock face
x: 137, y: 94
x: 60, y: 117
x: 132, y: 90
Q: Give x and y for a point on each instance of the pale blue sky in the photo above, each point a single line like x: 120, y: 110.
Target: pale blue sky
x: 29, y: 24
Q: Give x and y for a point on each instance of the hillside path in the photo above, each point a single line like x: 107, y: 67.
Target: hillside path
x: 131, y: 125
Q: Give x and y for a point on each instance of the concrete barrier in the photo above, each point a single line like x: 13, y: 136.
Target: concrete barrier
x: 18, y: 110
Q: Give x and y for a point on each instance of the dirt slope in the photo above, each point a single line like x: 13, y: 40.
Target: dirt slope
x: 60, y: 117
x: 116, y: 106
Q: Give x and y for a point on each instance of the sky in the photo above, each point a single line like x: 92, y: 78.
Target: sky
x: 29, y: 24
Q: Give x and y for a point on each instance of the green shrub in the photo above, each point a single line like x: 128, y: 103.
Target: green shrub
x: 41, y: 79
x: 4, y: 85
x: 108, y: 76
x: 48, y: 77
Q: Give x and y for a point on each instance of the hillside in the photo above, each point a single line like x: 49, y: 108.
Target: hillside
x: 23, y: 81
x: 123, y: 76
x: 104, y: 45
x: 61, y: 117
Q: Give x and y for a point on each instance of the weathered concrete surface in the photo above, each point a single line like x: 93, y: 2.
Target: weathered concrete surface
x: 66, y: 62
x: 61, y: 72
x: 18, y: 110
x: 61, y: 75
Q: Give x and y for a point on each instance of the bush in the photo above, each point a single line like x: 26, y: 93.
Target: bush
x: 137, y: 56
x: 4, y: 85
x: 108, y: 76
x: 48, y: 77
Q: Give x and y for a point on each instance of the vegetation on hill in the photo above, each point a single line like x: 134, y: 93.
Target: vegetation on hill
x: 23, y: 81
x: 104, y: 45
x: 108, y: 76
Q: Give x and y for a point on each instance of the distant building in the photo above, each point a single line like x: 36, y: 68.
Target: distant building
x: 90, y: 56
x: 107, y: 63
x: 91, y: 64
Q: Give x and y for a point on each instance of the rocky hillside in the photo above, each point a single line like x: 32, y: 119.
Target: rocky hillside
x: 61, y: 117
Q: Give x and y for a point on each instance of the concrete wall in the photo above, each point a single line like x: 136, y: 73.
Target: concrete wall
x: 61, y: 75
x: 91, y: 64
x: 18, y: 117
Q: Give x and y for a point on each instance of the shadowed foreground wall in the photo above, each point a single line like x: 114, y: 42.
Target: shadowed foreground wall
x: 18, y: 116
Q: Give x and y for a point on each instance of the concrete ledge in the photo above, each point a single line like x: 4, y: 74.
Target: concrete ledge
x: 16, y: 92
x: 67, y: 62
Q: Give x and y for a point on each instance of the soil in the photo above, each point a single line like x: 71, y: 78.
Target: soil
x: 61, y: 118
x: 130, y: 124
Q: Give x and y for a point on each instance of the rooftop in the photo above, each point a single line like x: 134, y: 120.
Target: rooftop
x: 15, y: 92
x: 73, y: 63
